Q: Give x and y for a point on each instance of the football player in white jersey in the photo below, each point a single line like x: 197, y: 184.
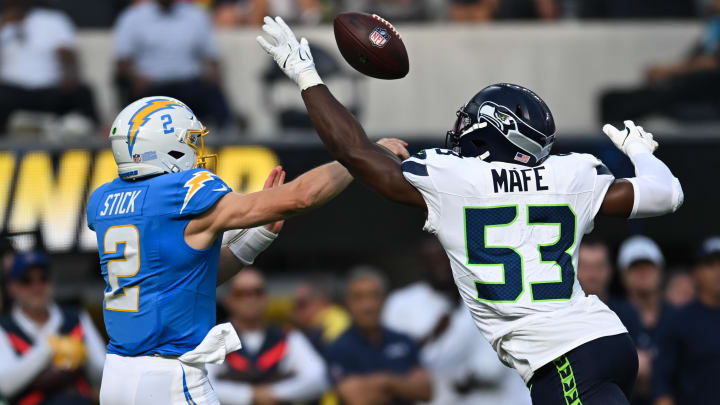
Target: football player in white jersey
x: 511, y: 217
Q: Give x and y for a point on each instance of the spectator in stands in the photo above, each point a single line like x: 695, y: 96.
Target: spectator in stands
x: 398, y: 10
x: 90, y: 13
x: 687, y: 367
x: 680, y: 289
x: 7, y: 257
x: 464, y: 367
x: 638, y: 9
x: 595, y: 273
x: 47, y: 353
x: 684, y: 90
x: 38, y: 65
x: 230, y: 13
x: 473, y: 10
x: 316, y: 315
x: 485, y: 10
x: 168, y: 48
x: 369, y: 363
x: 641, y: 263
x: 274, y: 365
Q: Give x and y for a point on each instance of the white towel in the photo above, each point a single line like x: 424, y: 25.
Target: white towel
x: 221, y: 340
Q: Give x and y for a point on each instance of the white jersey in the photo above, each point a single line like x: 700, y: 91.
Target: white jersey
x: 512, y: 233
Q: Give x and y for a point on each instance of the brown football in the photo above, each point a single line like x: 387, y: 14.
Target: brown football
x: 371, y: 45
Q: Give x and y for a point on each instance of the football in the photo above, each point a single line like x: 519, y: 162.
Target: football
x: 371, y: 45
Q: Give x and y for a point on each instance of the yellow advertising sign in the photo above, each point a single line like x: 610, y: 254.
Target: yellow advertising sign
x: 35, y: 196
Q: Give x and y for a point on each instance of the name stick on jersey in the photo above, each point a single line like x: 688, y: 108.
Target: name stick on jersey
x: 511, y: 180
x: 122, y: 203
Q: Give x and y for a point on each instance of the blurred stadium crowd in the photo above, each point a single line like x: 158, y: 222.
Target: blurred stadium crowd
x: 169, y: 47
x: 357, y: 341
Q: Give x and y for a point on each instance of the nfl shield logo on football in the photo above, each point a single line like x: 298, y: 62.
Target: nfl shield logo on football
x: 522, y: 158
x: 136, y: 158
x: 379, y: 37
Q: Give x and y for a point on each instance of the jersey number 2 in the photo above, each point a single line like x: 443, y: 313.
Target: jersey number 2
x: 122, y: 246
x: 477, y: 222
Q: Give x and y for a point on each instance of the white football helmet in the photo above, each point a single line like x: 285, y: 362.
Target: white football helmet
x: 157, y: 135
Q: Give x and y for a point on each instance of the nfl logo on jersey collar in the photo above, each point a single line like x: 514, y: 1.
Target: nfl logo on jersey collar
x: 379, y: 37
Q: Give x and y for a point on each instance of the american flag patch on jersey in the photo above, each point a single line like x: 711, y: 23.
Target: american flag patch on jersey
x: 522, y: 158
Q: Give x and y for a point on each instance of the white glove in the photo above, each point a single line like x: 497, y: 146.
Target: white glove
x: 293, y: 57
x: 631, y: 140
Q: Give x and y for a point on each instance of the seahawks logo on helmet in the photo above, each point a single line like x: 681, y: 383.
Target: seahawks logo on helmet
x: 498, y: 116
x: 514, y: 128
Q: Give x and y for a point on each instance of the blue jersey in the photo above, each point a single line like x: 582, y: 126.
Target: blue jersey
x: 160, y: 292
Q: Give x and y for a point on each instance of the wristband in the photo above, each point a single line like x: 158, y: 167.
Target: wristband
x: 308, y: 78
x: 246, y: 244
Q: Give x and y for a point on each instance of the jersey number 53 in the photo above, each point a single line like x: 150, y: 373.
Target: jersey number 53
x: 479, y: 219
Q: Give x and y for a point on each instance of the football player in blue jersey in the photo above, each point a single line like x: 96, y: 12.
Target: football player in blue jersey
x: 159, y: 228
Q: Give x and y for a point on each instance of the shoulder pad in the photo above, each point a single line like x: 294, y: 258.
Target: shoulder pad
x: 195, y: 191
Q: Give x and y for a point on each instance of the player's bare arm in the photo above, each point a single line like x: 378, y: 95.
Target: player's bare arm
x: 342, y: 134
x: 347, y: 142
x: 240, y: 211
x: 240, y: 248
x: 654, y: 191
x: 277, y: 201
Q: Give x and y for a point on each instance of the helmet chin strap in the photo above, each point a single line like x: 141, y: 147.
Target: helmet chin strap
x: 485, y: 155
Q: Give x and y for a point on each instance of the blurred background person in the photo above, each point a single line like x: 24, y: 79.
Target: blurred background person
x: 486, y: 10
x: 275, y: 365
x: 398, y: 10
x: 638, y: 9
x: 680, y: 289
x: 684, y: 90
x: 687, y: 368
x: 39, y: 70
x: 642, y: 263
x: 164, y: 47
x: 473, y: 10
x: 48, y: 354
x: 229, y: 13
x: 369, y: 363
x: 463, y: 365
x: 7, y: 257
x: 320, y: 319
x: 595, y: 274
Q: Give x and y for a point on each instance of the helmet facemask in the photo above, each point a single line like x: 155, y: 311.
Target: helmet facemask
x: 452, y: 137
x: 196, y: 140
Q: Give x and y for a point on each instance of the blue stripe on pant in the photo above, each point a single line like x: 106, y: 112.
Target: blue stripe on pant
x: 188, y: 397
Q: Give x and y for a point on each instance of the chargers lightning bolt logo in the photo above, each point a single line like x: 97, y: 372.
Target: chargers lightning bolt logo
x: 142, y: 116
x: 194, y: 185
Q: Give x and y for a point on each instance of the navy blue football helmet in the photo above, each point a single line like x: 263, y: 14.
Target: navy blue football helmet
x: 504, y: 122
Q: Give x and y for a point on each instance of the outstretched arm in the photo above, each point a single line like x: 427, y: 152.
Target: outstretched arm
x: 242, y: 246
x: 654, y: 191
x: 341, y: 133
x: 241, y: 211
x: 276, y: 202
x: 346, y: 141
